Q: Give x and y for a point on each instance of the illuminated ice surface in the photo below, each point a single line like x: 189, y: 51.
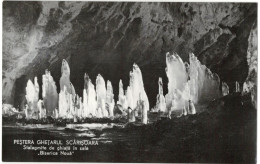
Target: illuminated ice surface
x: 188, y: 84
x: 32, y: 97
x: 89, y: 98
x: 160, y: 103
x: 49, y: 93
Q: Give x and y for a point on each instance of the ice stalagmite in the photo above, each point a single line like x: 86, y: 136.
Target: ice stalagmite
x: 237, y: 87
x: 192, y: 109
x: 64, y: 103
x: 49, y: 93
x: 101, y: 96
x: 225, y: 89
x: 78, y: 108
x: 189, y: 84
x: 85, y: 103
x: 137, y: 88
x: 67, y: 96
x: 122, y: 101
x: 204, y: 84
x: 177, y: 77
x: 160, y: 103
x: 186, y: 97
x: 42, y: 110
x: 110, y: 103
x: 32, y: 97
x: 89, y: 98
x: 129, y: 98
x: 65, y: 78
x: 144, y: 117
x: 130, y: 115
x: 86, y: 111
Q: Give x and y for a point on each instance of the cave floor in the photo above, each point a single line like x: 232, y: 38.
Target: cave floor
x: 225, y: 132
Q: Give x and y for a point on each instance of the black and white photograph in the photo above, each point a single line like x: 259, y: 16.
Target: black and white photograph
x: 129, y: 82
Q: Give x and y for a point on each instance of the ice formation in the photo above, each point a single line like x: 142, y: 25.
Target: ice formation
x: 65, y: 101
x: 177, y: 77
x: 134, y: 101
x: 191, y: 109
x: 8, y: 109
x: 101, y: 96
x: 89, y: 98
x: 237, y: 87
x: 136, y: 88
x: 189, y: 84
x: 121, y: 96
x: 67, y: 93
x: 131, y: 115
x: 49, y: 93
x: 160, y: 103
x: 78, y: 108
x: 32, y: 97
x: 144, y: 117
x: 110, y: 103
x: 204, y: 83
x: 225, y: 89
x: 42, y: 110
x: 65, y: 78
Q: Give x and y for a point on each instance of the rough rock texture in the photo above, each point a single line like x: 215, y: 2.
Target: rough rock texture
x: 107, y: 38
x: 250, y: 84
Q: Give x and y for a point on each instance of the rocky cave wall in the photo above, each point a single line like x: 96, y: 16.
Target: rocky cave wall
x: 108, y: 37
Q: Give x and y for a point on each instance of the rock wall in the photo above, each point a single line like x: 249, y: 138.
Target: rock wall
x: 250, y: 85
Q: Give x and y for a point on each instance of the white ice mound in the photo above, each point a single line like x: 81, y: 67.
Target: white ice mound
x: 49, y: 93
x: 32, y: 97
